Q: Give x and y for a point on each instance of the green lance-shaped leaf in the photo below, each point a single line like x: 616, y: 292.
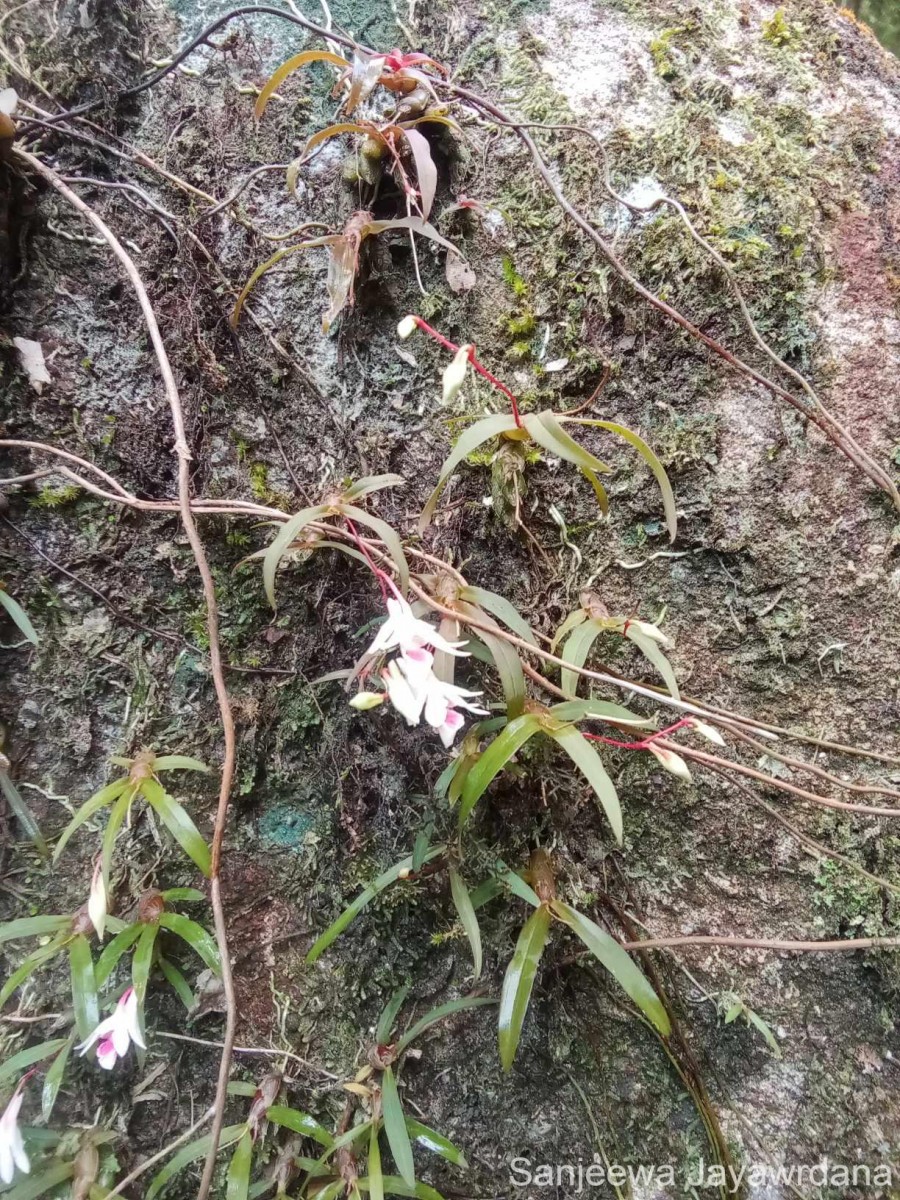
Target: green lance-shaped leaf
x: 84, y: 987
x: 237, y: 1181
x: 300, y: 1122
x: 651, y: 651
x: 574, y: 618
x: 618, y: 962
x: 191, y: 1153
x: 437, y: 1014
x: 395, y: 1128
x: 754, y: 1019
x: 387, y: 534
x: 277, y: 78
x: 54, y: 1077
x: 179, y: 762
x: 469, y: 440
x: 178, y: 823
x: 373, y: 1164
x: 385, y: 1025
x: 391, y: 875
x: 589, y: 763
x: 649, y: 458
x: 177, y: 981
x: 502, y: 609
x: 19, y: 616
x: 393, y: 1186
x: 286, y: 534
x: 177, y: 894
x: 26, y: 927
x: 416, y: 224
x: 17, y: 1063
x: 113, y: 951
x: 196, y: 937
x: 599, y: 490
x: 464, y: 907
x: 22, y: 812
x: 494, y: 759
x: 601, y: 710
x: 33, y: 1186
x: 426, y: 171
x: 276, y: 258
x: 111, y: 832
x: 519, y: 981
x: 509, y: 668
x: 27, y: 968
x: 436, y: 1143
x: 372, y: 483
x: 99, y: 800
x: 142, y: 961
x: 547, y: 432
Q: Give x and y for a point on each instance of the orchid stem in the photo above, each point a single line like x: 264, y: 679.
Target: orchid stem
x: 482, y: 370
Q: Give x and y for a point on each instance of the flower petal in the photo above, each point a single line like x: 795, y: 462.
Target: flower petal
x: 106, y: 1054
x: 18, y: 1152
x: 7, y: 1169
x: 133, y: 1020
x: 451, y: 726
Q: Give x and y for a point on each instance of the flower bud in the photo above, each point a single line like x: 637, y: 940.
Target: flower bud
x: 455, y: 374
x: 98, y: 902
x: 407, y: 327
x: 709, y: 732
x: 670, y: 761
x: 363, y: 701
x: 650, y: 631
x: 151, y: 906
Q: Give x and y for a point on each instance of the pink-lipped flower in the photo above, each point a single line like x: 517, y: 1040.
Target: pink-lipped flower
x: 12, y: 1148
x: 415, y: 690
x: 114, y: 1035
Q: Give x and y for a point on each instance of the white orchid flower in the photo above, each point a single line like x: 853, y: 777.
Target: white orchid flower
x: 671, y: 761
x: 408, y: 698
x: 364, y: 701
x: 441, y: 703
x: 98, y: 902
x: 407, y: 327
x: 455, y: 374
x: 651, y: 631
x: 12, y: 1149
x: 114, y: 1035
x: 404, y: 631
x: 709, y: 732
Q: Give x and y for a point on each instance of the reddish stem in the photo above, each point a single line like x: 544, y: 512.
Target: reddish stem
x: 448, y: 345
x: 648, y: 741
x: 384, y: 580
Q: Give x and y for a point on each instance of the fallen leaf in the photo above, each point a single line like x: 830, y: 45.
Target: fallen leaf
x: 31, y: 357
x: 460, y: 275
x: 558, y: 364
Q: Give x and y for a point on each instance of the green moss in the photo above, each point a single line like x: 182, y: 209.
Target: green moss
x: 51, y: 496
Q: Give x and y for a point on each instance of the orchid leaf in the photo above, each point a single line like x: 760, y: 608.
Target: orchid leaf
x: 191, y: 1153
x: 509, y: 668
x: 177, y: 982
x: 99, y: 800
x: 22, y: 813
x: 547, y: 432
x: 54, y: 1077
x: 179, y: 824
x: 26, y: 927
x: 426, y: 171
x: 282, y: 542
x: 519, y: 981
x: 574, y: 618
x: 180, y: 894
x: 649, y: 458
x: 111, y: 832
x: 17, y: 1063
x: 385, y: 1025
x: 142, y: 961
x: 300, y: 1122
x: 416, y: 224
x: 494, y: 759
x: 651, y: 651
x: 393, y: 1186
x: 464, y: 907
x: 113, y: 951
x: 237, y: 1181
x: 591, y: 766
x: 179, y: 762
x: 84, y: 987
x: 261, y: 270
x: 196, y: 937
x: 437, y: 1014
x: 17, y: 613
x: 395, y: 1128
x: 388, y: 535
x: 277, y: 78
x: 324, y: 135
x: 601, y: 710
x: 469, y: 440
x: 500, y: 607
x: 575, y: 651
x: 364, y: 76
x: 28, y: 966
x: 599, y: 490
x: 373, y: 1163
x: 33, y: 1186
x: 372, y: 483
x: 391, y: 875
x: 618, y: 962
x: 436, y: 1143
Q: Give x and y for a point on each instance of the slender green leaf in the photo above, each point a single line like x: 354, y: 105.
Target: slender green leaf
x: 237, y: 1181
x: 54, y: 1077
x: 547, y: 432
x: 372, y: 483
x: 195, y: 936
x: 575, y: 651
x: 395, y: 1128
x: 111, y: 832
x: 618, y: 962
x: 282, y: 541
x: 438, y: 1014
x: 466, y: 910
x: 300, y: 1122
x: 373, y: 1164
x: 651, y: 651
x: 84, y: 986
x: 324, y: 135
x: 509, y: 668
x: 99, y: 800
x: 420, y: 847
x: 240, y: 1087
x: 494, y: 759
x: 19, y: 616
x: 764, y: 1028
x: 591, y: 766
x: 388, y: 535
x: 17, y: 1063
x: 391, y: 875
x: 469, y: 440
x: 27, y: 968
x: 23, y: 813
x: 179, y: 824
x: 276, y: 258
x: 277, y: 78
x: 519, y: 981
x: 385, y: 1025
x: 517, y: 885
x: 113, y: 951
x: 191, y: 1153
x: 33, y: 1186
x: 573, y: 619
x: 649, y: 458
x: 395, y: 1186
x: 599, y: 490
x: 501, y: 608
x: 601, y: 710
x: 416, y: 224
x: 174, y: 895
x: 142, y: 961
x: 26, y: 927
x: 179, y: 762
x: 177, y: 981
x: 436, y: 1143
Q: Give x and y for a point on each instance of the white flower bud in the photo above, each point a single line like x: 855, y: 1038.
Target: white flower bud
x: 455, y: 374
x: 709, y: 732
x: 363, y: 701
x: 407, y: 327
x: 651, y: 631
x: 671, y: 762
x: 98, y: 905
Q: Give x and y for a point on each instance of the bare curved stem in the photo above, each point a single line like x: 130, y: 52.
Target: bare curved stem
x: 145, y: 1166
x: 842, y: 945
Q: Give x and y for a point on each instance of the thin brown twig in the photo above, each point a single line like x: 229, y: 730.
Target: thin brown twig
x: 145, y: 1166
x: 750, y: 943
x: 183, y: 455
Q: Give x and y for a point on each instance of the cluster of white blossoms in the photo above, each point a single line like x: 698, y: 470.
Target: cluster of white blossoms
x: 409, y: 679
